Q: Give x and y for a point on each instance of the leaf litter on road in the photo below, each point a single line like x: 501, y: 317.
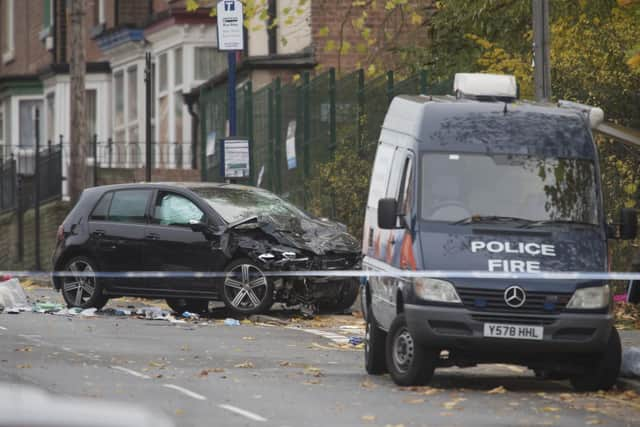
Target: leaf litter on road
x: 245, y: 365
x: 453, y: 404
x: 497, y: 390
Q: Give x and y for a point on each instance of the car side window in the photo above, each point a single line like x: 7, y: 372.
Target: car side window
x: 101, y: 211
x: 405, y: 192
x: 173, y: 209
x: 129, y: 206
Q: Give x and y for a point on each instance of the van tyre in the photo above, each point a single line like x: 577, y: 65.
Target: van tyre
x: 602, y: 372
x: 246, y: 289
x: 408, y: 362
x: 180, y: 305
x: 374, y: 346
x: 81, y: 288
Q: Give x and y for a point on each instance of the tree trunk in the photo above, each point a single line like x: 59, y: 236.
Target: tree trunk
x: 79, y: 139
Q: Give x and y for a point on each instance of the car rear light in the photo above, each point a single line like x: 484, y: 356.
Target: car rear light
x: 60, y: 234
x: 5, y: 277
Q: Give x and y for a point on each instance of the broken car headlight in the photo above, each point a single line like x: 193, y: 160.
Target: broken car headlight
x: 590, y: 298
x: 281, y: 255
x: 435, y: 290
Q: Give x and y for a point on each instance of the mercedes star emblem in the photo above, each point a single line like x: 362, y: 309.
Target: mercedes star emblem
x: 515, y: 296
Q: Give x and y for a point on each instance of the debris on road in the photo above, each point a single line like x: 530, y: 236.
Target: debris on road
x: 245, y: 365
x: 497, y: 390
x: 630, y: 362
x: 89, y: 312
x: 12, y: 296
x: 189, y: 315
x: 355, y: 340
x: 231, y: 322
x: 627, y: 316
x: 47, y: 307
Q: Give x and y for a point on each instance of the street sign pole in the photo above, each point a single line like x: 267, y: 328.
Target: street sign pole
x: 232, y: 93
x: 231, y: 39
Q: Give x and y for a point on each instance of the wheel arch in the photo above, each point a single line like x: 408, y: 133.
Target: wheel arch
x: 72, y: 252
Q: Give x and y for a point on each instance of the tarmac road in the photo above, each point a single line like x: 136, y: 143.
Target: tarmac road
x: 274, y: 376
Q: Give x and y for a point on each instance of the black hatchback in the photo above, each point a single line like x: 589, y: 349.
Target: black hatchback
x: 195, y: 242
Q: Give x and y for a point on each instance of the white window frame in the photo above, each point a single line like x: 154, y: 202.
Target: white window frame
x: 9, y: 53
x: 101, y: 14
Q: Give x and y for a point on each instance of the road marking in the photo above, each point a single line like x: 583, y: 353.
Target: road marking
x: 3, y: 328
x: 339, y: 339
x: 185, y: 391
x: 243, y: 412
x: 131, y: 372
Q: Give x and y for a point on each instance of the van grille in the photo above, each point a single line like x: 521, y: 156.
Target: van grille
x: 489, y: 300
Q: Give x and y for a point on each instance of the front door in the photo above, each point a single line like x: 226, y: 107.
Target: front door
x: 172, y: 247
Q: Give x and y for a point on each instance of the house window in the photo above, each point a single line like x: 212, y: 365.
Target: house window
x: 162, y: 83
x: 51, y: 117
x: 98, y: 12
x: 177, y: 66
x: 209, y: 62
x: 91, y: 106
x: 6, y: 25
x: 119, y: 98
x: 28, y: 123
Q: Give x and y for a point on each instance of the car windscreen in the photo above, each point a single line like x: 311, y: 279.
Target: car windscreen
x: 236, y: 204
x: 456, y: 186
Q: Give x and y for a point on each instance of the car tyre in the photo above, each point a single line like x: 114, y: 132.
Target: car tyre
x: 345, y: 299
x: 602, y: 373
x: 374, y: 346
x: 84, y: 290
x: 408, y: 362
x: 246, y: 289
x: 180, y: 305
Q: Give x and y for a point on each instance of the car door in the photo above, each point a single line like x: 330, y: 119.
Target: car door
x: 116, y: 229
x: 172, y: 246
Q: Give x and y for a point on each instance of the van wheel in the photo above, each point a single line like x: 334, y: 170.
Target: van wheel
x: 602, y: 372
x: 180, y: 305
x: 408, y: 362
x: 82, y: 288
x: 374, y: 346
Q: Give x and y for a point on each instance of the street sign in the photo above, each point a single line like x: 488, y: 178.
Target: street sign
x: 230, y: 25
x: 235, y: 158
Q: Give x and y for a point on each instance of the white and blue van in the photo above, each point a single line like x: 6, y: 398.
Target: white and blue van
x: 481, y: 182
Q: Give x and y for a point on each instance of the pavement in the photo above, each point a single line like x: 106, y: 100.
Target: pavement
x: 265, y: 373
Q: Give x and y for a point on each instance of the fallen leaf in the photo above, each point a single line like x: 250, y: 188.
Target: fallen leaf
x: 316, y: 372
x: 593, y: 422
x: 179, y: 411
x: 368, y: 418
x: 497, y: 390
x: 453, y: 403
x: 25, y: 366
x: 431, y: 391
x: 249, y: 338
x: 206, y: 372
x: 394, y: 425
x: 24, y: 349
x: 550, y: 409
x: 158, y: 365
x: 158, y: 376
x: 245, y: 365
x: 312, y: 382
x: 413, y: 401
x: 567, y: 397
x: 368, y: 384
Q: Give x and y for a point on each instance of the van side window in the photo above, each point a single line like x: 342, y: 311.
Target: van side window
x: 404, y: 192
x: 380, y: 175
x: 102, y: 208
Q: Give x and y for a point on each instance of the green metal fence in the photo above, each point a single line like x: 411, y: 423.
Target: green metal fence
x: 295, y: 128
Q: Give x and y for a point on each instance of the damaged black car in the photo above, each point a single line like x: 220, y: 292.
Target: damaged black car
x: 191, y: 243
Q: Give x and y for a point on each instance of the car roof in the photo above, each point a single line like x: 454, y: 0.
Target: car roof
x: 176, y: 186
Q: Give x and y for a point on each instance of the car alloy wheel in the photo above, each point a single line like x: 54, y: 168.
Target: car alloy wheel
x: 247, y: 289
x: 80, y: 287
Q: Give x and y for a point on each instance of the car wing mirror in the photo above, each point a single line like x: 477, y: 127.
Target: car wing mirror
x: 387, y: 214
x: 198, y: 226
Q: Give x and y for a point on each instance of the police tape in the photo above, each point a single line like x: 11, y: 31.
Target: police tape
x: 363, y: 274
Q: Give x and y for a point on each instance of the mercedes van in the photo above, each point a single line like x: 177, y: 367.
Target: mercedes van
x: 480, y: 182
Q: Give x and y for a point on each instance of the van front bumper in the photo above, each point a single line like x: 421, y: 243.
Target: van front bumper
x: 460, y: 329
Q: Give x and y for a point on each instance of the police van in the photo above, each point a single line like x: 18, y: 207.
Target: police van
x: 481, y: 182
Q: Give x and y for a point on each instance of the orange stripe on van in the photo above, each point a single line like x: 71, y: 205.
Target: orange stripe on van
x: 407, y: 257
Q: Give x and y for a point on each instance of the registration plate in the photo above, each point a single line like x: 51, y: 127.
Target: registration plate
x: 522, y: 332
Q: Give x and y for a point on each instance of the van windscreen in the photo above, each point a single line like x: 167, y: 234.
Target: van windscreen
x: 459, y: 186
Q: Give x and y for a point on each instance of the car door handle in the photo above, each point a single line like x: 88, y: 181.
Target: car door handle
x: 99, y: 233
x: 153, y: 236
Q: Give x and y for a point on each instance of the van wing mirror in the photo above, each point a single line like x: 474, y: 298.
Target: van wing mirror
x: 387, y: 214
x: 628, y: 224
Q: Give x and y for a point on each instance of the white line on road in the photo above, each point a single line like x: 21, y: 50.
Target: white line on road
x: 243, y: 412
x: 339, y: 339
x: 3, y: 328
x: 131, y: 372
x: 185, y: 391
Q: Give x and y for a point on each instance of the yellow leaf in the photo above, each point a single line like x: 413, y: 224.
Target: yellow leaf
x: 497, y: 390
x: 550, y: 409
x: 245, y: 365
x: 368, y: 418
x: 323, y: 32
x: 192, y: 5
